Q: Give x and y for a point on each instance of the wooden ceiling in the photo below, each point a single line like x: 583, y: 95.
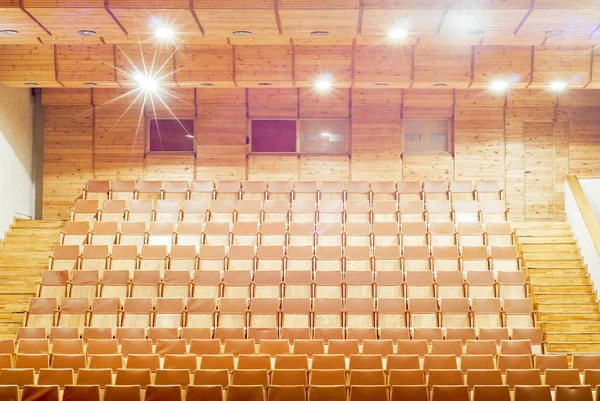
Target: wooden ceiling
x: 459, y: 43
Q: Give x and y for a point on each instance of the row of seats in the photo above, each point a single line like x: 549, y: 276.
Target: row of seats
x: 309, y: 190
x: 298, y: 211
x: 270, y: 284
x: 292, y: 257
x: 249, y: 233
x: 296, y: 393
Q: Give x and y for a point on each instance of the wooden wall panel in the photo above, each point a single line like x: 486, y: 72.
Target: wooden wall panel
x: 169, y: 167
x: 314, y: 62
x: 515, y: 167
x: 256, y: 64
x: 276, y: 167
x: 510, y: 63
x: 383, y: 64
x: 64, y: 97
x: 428, y: 103
x: 561, y: 167
x: 427, y: 167
x: 584, y: 141
x: 437, y: 64
x: 68, y: 163
x: 172, y: 102
x: 197, y: 64
x: 335, y: 104
x: 315, y: 167
x: 272, y: 103
x: 78, y: 64
x: 147, y: 60
x: 570, y: 64
x: 538, y: 153
x: 22, y: 64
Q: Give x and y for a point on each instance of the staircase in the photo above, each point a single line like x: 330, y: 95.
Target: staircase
x: 560, y: 287
x: 23, y: 256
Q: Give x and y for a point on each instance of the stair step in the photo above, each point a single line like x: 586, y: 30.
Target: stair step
x: 549, y: 289
x: 554, y: 272
x: 550, y: 307
x: 571, y: 326
x: 545, y: 280
x: 540, y: 225
x: 569, y: 316
x: 564, y: 297
x: 550, y: 232
x: 581, y: 337
x: 573, y: 347
x: 528, y: 262
x: 546, y: 240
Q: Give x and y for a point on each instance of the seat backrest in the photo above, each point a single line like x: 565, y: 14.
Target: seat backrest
x: 532, y: 393
x: 123, y: 393
x: 450, y: 393
x: 573, y: 393
x: 491, y: 393
x: 40, y: 392
x: 80, y: 392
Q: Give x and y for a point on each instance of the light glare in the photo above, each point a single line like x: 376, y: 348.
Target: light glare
x: 499, y: 86
x: 324, y: 84
x: 558, y: 86
x: 148, y: 84
x: 398, y: 33
x: 164, y: 32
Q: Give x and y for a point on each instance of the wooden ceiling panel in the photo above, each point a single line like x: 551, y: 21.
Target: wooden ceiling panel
x: 491, y: 21
x: 69, y: 97
x: 153, y: 61
x: 115, y: 98
x: 415, y: 21
x: 12, y: 17
x: 333, y: 104
x: 531, y: 98
x: 482, y: 97
x: 142, y: 24
x: 595, y: 82
x: 300, y: 23
x: 570, y: 64
x: 224, y: 17
x: 216, y: 96
x: 273, y: 103
x: 509, y: 63
x: 198, y: 64
x: 428, y: 103
x: 27, y: 64
x: 77, y: 64
x: 263, y: 64
x: 377, y: 97
x: 449, y: 65
x: 383, y: 64
x: 576, y: 22
x: 145, y: 4
x: 313, y: 62
x: 172, y: 103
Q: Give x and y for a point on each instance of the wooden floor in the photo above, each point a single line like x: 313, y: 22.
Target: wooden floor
x: 23, y: 256
x: 561, y: 289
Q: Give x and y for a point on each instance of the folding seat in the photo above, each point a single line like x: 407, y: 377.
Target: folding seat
x: 194, y: 211
x: 423, y: 312
x: 180, y: 361
x: 450, y: 392
x: 161, y: 234
x: 445, y: 258
x: 113, y: 210
x: 55, y: 377
x: 207, y: 284
x: 442, y: 234
x: 269, y: 257
x: 306, y: 191
x: 241, y: 257
x: 454, y: 312
x: 104, y: 233
x: 137, y: 312
x: 591, y: 377
x: 328, y: 284
x: 445, y: 377
x: 487, y: 312
x: 357, y: 235
x: 128, y: 377
x: 141, y: 211
x: 95, y: 257
x: 470, y: 234
x: 239, y: 346
x: 41, y: 313
x: 482, y: 347
x: 386, y: 233
x: 512, y: 284
x: 245, y: 393
x: 96, y: 190
x: 263, y: 319
x: 439, y: 211
x: 385, y: 211
x: 105, y: 313
x: 450, y: 284
x: 228, y: 190
x: 435, y: 190
x: 73, y: 313
x: 295, y: 318
x: 518, y: 313
x: 288, y: 377
x: 136, y: 346
x: 183, y: 258
x: 423, y: 333
x: 329, y: 234
x: 146, y: 284
x: 365, y: 361
x: 245, y: 233
x: 410, y: 190
x: 479, y: 364
x: 143, y: 361
x: 204, y: 393
x: 499, y: 234
x: 343, y: 347
x: 133, y: 233
x: 254, y: 190
x: 521, y: 376
x: 387, y: 258
x: 168, y: 211
x: 231, y: 318
x: 303, y: 211
x: 573, y: 393
x: 17, y: 377
x: 358, y: 191
x: 358, y: 211
x: 330, y: 211
x: 40, y: 392
x: 123, y: 392
x: 222, y: 211
x: 207, y: 346
x: 248, y: 377
x: 167, y: 340
x: 65, y: 257
x: 439, y: 362
x: 102, y: 346
x: 53, y: 284
x: 411, y: 211
x: 276, y: 210
x: 332, y: 191
x: 254, y: 361
x: 75, y: 233
x: 562, y: 377
x: 32, y: 361
x: 381, y: 348
x: 360, y: 319
x: 176, y: 190
x: 236, y: 284
x: 149, y: 190
x: 412, y: 377
x: 212, y: 257
x: 301, y: 234
x: 85, y: 210
x: 170, y: 392
x: 169, y: 312
x: 466, y: 212
x: 217, y: 233
x: 190, y: 234
x: 115, y: 284
x: 493, y: 211
x: 213, y: 375
x: 323, y: 362
x: 504, y: 258
x: 369, y: 392
x: 279, y: 190
x: 543, y: 362
x: 359, y: 284
x: 446, y: 347
x: 416, y: 258
x: 299, y: 361
x: 391, y: 317
x: 584, y: 362
x: 474, y: 258
x: 461, y: 190
x: 410, y: 392
x: 291, y: 393
x: 298, y: 284
x: 33, y: 346
x: 273, y: 233
x: 274, y: 347
x: 488, y: 190
x: 176, y: 284
x: 124, y: 257
x: 481, y: 284
x: 81, y: 392
x: 386, y: 190
x: 328, y: 258
x: 202, y: 190
x: 84, y: 284
x: 420, y: 284
x: 328, y: 319
x: 28, y: 332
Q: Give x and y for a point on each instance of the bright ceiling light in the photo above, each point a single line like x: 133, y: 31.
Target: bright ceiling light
x: 499, y: 86
x: 398, y: 33
x: 164, y: 32
x: 326, y: 134
x: 324, y: 84
x: 10, y: 32
x: 147, y: 84
x: 558, y: 86
x: 86, y: 32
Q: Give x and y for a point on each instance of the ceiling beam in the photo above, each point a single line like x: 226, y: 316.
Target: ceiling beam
x: 520, y: 25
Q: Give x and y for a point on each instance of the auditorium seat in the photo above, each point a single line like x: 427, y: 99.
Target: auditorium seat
x: 470, y: 234
x: 254, y: 190
x: 387, y: 258
x: 442, y: 234
x: 140, y: 211
x: 410, y: 210
x: 133, y: 233
x: 245, y: 233
x: 409, y: 392
x: 212, y: 257
x: 413, y: 234
x: 466, y: 211
x: 222, y: 211
x: 384, y: 190
x: 303, y: 211
x: 329, y: 234
x: 450, y: 284
x: 112, y: 210
x: 358, y: 191
x: 358, y: 211
x: 194, y: 211
x: 414, y: 258
x: 227, y: 190
x: 461, y: 190
x: 87, y: 210
x: 330, y: 211
x: 168, y: 211
x: 270, y: 257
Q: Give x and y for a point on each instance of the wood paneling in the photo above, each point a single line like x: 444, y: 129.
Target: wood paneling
x: 538, y: 153
x: 273, y: 103
x: 383, y: 64
x: 509, y: 63
x: 335, y: 104
x: 427, y: 167
x: 273, y: 167
x: 22, y: 64
x: 256, y: 64
x: 145, y: 60
x: 437, y: 64
x: 428, y: 103
x: 197, y: 64
x: 301, y: 17
x: 570, y: 64
x: 334, y: 167
x: 168, y: 166
x: 221, y: 18
x: 314, y: 62
x: 78, y: 64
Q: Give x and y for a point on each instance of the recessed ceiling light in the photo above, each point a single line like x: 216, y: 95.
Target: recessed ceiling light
x: 382, y: 85
x: 558, y: 86
x: 206, y: 84
x: 164, y: 32
x: 319, y: 33
x: 476, y: 32
x: 398, y: 33
x: 86, y: 32
x: 31, y: 84
x: 8, y: 32
x: 554, y: 32
x: 242, y: 33
x: 499, y: 86
x: 147, y: 83
x: 89, y: 84
x: 323, y: 84
x: 264, y: 84
x: 440, y: 85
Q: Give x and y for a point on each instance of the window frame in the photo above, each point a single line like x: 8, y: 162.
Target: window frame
x: 147, y: 150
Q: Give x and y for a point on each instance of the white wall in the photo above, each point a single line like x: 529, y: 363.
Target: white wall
x: 17, y: 189
x: 591, y: 189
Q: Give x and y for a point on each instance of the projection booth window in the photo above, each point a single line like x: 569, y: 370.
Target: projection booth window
x: 425, y: 135
x: 171, y: 135
x: 274, y: 136
x: 323, y: 136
